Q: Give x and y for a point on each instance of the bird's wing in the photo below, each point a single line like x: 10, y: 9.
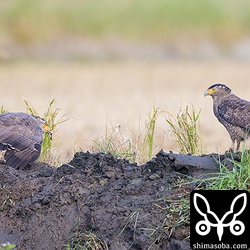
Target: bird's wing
x: 22, y: 138
x: 235, y: 111
x: 20, y: 159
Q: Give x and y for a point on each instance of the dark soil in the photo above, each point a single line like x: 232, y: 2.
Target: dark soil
x: 98, y: 199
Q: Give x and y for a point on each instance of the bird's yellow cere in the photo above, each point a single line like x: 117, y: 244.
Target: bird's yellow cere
x: 46, y: 128
x: 210, y: 91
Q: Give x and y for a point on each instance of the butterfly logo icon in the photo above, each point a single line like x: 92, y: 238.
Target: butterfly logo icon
x: 210, y: 219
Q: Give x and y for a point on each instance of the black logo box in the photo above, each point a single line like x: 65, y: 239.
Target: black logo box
x: 220, y: 202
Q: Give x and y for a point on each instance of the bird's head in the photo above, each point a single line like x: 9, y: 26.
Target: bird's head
x: 44, y: 125
x: 217, y: 89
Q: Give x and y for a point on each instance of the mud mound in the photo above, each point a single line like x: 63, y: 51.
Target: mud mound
x: 95, y: 195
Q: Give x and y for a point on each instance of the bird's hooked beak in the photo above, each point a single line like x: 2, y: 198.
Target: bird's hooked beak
x: 47, y: 130
x: 209, y: 91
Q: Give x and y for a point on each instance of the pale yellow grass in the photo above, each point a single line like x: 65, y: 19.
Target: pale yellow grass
x: 99, y: 95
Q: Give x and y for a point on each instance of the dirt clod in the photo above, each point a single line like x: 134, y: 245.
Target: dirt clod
x: 93, y: 198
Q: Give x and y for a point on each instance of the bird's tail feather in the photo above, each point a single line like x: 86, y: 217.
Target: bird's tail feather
x: 20, y: 159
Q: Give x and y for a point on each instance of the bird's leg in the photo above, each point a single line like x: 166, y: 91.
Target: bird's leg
x: 238, y: 145
x: 232, y: 146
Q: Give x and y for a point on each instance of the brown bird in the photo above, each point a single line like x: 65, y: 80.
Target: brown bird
x: 232, y: 112
x: 21, y: 135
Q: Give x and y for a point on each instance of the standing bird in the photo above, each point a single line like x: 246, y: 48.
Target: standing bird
x: 21, y: 135
x: 232, y: 112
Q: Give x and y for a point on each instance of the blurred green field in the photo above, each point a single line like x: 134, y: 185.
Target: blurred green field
x: 28, y: 21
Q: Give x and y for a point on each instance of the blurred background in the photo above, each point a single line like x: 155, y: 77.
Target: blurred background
x: 108, y: 63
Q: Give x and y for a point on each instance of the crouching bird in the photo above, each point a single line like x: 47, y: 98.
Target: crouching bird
x: 21, y: 136
x: 232, y: 112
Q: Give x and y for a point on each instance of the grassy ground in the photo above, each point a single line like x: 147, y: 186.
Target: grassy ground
x: 100, y: 96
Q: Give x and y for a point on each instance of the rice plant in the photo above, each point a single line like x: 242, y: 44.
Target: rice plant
x: 52, y: 119
x: 148, y: 144
x: 185, y: 130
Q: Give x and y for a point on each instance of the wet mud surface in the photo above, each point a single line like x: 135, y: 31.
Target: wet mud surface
x: 98, y: 200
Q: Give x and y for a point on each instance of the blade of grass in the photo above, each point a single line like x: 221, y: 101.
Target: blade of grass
x: 150, y: 131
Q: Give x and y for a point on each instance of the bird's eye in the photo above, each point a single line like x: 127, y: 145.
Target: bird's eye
x: 214, y: 90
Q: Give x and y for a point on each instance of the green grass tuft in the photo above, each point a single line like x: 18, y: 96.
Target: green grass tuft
x: 135, y: 148
x: 52, y: 119
x: 115, y: 143
x: 185, y: 130
x: 148, y: 145
x: 237, y: 178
